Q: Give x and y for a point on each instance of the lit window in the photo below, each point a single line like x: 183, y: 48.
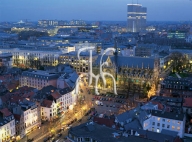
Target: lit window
x: 158, y: 131
x: 168, y: 120
x: 158, y: 119
x: 178, y: 122
x: 178, y: 128
x: 173, y: 127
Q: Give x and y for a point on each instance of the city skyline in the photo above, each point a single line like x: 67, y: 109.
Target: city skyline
x: 113, y: 10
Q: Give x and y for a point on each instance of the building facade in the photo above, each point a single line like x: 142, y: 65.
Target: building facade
x: 38, y: 79
x: 136, y: 17
x: 168, y: 121
x: 7, y: 125
x: 28, y: 114
x: 81, y: 65
x: 128, y: 70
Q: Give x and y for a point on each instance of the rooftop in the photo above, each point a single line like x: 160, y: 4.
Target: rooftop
x: 102, y: 133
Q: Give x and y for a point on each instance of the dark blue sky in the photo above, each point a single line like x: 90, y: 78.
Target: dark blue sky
x: 115, y: 10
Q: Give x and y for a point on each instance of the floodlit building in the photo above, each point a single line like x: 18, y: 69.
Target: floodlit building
x: 136, y: 17
x: 27, y: 117
x: 172, y: 121
x: 7, y: 125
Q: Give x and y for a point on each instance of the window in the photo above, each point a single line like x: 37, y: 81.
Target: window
x: 163, y: 125
x: 153, y: 123
x: 163, y: 120
x: 158, y: 124
x: 178, y: 128
x: 158, y: 131
x: 168, y: 126
x: 178, y: 122
x: 173, y: 127
x: 152, y: 129
x: 158, y: 119
x: 168, y: 120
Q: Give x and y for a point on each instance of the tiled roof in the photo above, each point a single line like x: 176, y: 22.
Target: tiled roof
x: 187, y: 102
x: 129, y: 61
x: 5, y: 112
x: 46, y: 103
x: 55, y: 95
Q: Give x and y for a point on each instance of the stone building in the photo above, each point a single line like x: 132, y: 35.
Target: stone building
x: 136, y: 70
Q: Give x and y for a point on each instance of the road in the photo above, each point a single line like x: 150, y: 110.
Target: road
x: 48, y: 128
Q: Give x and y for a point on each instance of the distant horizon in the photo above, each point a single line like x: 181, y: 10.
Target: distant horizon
x: 97, y: 20
x: 108, y: 10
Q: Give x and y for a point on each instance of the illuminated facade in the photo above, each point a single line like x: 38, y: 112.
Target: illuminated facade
x: 136, y: 17
x: 80, y: 65
x: 38, y: 79
x: 33, y: 57
x: 136, y: 70
x: 28, y: 117
x: 7, y: 125
x: 162, y: 120
x: 55, y: 102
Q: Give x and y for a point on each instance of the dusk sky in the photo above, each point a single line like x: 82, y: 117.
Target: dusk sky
x: 106, y: 10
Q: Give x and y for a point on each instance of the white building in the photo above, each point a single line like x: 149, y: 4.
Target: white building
x: 129, y: 52
x: 7, y: 125
x: 29, y: 114
x: 167, y: 120
x: 57, y: 103
x: 23, y: 54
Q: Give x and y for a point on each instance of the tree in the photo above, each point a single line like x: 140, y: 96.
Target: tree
x: 25, y: 35
x: 179, y: 61
x: 33, y: 62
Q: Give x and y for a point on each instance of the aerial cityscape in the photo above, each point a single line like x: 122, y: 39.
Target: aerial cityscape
x: 96, y: 71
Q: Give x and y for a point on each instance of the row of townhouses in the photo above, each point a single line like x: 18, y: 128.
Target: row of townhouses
x: 41, y: 95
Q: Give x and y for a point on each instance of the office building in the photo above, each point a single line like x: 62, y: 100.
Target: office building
x: 136, y: 17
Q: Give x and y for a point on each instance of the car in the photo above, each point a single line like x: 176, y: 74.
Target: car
x: 113, y: 106
x: 30, y: 140
x: 53, y: 139
x: 101, y: 104
x: 79, y: 120
x: 68, y: 127
x: 106, y: 105
x: 59, y: 135
x: 45, y: 139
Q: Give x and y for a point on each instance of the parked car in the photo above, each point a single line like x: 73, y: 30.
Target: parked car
x: 59, y: 135
x: 45, y: 139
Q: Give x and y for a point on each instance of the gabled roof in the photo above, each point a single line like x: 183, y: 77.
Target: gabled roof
x: 129, y: 61
x: 55, y: 95
x: 133, y: 125
x: 46, y: 103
